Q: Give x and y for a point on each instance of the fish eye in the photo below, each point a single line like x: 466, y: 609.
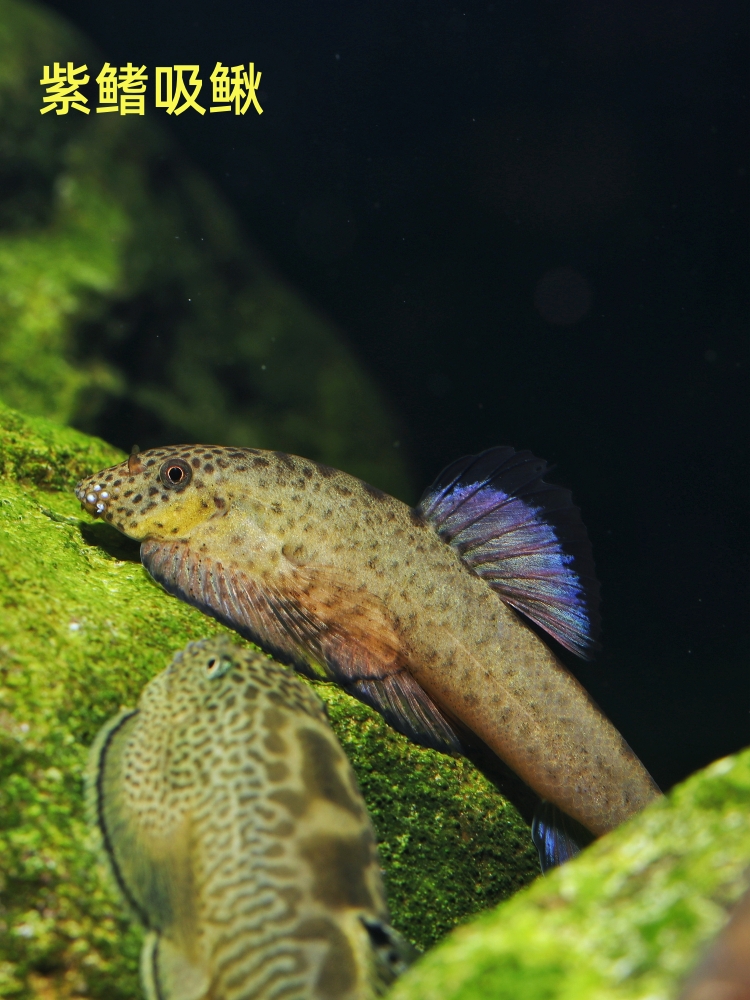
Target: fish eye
x: 217, y: 666
x: 175, y: 474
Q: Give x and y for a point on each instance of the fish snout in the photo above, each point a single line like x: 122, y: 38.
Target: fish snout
x: 94, y: 497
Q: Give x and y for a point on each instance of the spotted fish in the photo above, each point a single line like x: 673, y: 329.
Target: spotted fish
x: 234, y: 827
x: 430, y: 614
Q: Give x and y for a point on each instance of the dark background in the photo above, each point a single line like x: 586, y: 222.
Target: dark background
x: 530, y: 221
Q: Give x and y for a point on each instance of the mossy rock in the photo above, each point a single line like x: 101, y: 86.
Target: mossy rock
x: 130, y: 302
x: 82, y: 629
x: 627, y: 920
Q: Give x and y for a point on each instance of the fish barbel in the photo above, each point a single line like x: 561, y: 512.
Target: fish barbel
x: 235, y: 829
x: 411, y: 610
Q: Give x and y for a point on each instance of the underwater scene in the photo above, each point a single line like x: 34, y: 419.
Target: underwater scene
x: 373, y: 501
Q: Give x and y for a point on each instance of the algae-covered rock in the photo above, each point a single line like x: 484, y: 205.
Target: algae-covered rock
x: 131, y: 304
x: 626, y: 920
x: 82, y: 629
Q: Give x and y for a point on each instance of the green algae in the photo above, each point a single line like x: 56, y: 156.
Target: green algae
x: 129, y: 296
x: 82, y: 629
x: 627, y: 920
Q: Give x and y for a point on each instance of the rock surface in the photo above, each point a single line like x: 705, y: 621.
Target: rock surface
x: 131, y: 303
x: 82, y: 628
x: 627, y: 920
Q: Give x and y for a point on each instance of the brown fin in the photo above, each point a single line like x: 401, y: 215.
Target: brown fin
x: 312, y: 616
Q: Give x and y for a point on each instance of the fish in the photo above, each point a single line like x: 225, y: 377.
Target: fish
x: 433, y: 615
x: 232, y: 822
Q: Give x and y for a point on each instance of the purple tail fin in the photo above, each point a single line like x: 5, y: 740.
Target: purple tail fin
x: 525, y: 537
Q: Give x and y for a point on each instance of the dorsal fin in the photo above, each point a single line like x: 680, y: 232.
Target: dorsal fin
x: 524, y: 536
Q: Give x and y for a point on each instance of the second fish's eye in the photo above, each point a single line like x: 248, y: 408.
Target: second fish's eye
x: 175, y: 474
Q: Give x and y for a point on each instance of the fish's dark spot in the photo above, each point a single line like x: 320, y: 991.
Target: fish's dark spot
x: 198, y: 484
x: 220, y: 502
x: 129, y: 512
x: 274, y: 743
x: 208, y: 468
x: 416, y: 517
x: 149, y: 506
x: 152, y: 491
x: 320, y: 774
x: 295, y: 802
x: 236, y: 454
x: 151, y: 461
x: 307, y: 471
x: 343, y: 490
x: 282, y: 829
x: 128, y: 493
x: 108, y: 479
x: 137, y: 498
x: 120, y: 509
x: 204, y: 505
x: 175, y: 530
x: 277, y: 771
x: 325, y: 470
x: 338, y: 868
x: 222, y: 464
x: 274, y: 719
x: 196, y: 463
x: 374, y: 491
x: 338, y: 973
x: 251, y: 692
x: 242, y: 468
x: 286, y: 459
x: 133, y: 524
x: 164, y: 496
x: 117, y: 482
x: 108, y: 517
x: 131, y: 479
x: 261, y: 463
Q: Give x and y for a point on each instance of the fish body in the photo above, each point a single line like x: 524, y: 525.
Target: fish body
x: 413, y: 610
x: 234, y: 826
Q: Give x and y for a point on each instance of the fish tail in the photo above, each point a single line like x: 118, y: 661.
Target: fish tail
x: 556, y: 836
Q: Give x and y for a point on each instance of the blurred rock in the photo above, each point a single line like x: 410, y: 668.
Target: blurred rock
x: 132, y: 307
x: 626, y: 920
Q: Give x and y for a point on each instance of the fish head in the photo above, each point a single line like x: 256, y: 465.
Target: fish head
x: 164, y: 493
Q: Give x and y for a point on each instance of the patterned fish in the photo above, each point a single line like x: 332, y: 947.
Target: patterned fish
x: 412, y: 610
x: 234, y: 827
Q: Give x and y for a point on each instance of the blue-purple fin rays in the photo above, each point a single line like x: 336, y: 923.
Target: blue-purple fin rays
x: 557, y: 837
x: 524, y: 536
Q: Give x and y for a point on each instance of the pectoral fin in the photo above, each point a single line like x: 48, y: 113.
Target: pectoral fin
x: 150, y: 875
x: 166, y: 974
x: 318, y: 620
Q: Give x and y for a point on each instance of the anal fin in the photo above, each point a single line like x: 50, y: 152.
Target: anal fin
x: 409, y: 709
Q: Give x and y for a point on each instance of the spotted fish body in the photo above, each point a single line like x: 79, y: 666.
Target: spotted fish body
x: 235, y: 829
x: 331, y: 575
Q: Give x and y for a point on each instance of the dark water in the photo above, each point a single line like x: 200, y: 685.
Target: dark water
x: 530, y: 219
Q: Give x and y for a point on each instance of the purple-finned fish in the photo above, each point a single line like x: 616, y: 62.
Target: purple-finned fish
x: 422, y: 613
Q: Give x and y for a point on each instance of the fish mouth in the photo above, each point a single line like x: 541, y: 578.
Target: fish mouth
x: 93, y: 497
